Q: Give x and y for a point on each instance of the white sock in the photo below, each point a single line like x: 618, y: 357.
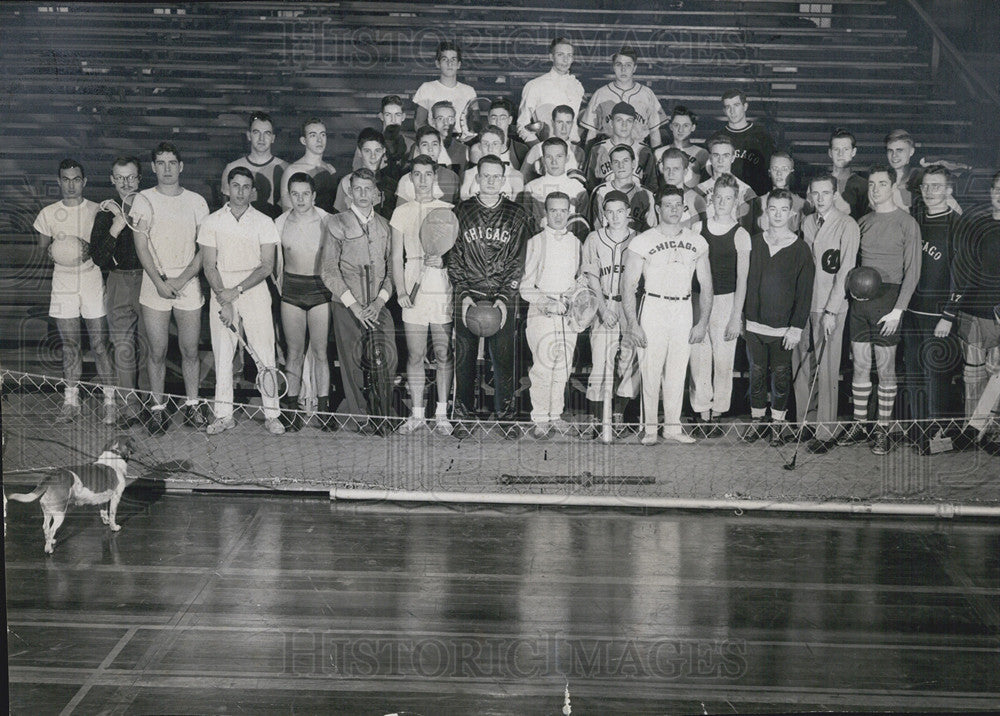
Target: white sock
x: 442, y: 409
x: 191, y: 401
x: 72, y: 396
x: 161, y: 406
x: 109, y: 394
x: 418, y: 412
x: 778, y: 415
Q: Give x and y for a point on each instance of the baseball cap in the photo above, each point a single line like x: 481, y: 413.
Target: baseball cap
x: 614, y: 195
x: 623, y: 108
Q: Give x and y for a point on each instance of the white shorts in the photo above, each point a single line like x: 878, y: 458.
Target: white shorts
x: 190, y: 298
x: 77, y: 292
x: 433, y: 304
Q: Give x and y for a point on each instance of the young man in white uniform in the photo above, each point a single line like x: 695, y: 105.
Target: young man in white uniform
x: 542, y: 94
x: 550, y: 269
x: 667, y: 256
x: 165, y: 243
x: 238, y: 247
x: 77, y: 287
x: 431, y: 309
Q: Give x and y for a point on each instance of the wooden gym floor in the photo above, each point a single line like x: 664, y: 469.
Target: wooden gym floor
x: 254, y: 604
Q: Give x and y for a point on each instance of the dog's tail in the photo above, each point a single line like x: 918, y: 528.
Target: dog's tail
x: 27, y: 496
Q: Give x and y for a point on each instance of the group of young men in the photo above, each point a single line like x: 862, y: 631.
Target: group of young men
x: 686, y: 249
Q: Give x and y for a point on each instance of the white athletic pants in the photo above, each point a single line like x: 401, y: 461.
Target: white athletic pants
x: 664, y: 360
x: 254, y: 308
x: 604, y: 343
x: 552, y: 345
x: 712, y: 361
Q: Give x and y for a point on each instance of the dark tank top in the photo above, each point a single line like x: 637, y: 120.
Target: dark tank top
x: 722, y: 258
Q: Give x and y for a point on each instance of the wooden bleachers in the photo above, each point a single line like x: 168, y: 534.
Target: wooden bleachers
x: 97, y: 80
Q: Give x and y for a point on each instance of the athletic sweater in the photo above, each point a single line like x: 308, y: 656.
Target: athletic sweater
x: 753, y: 146
x: 976, y: 270
x: 487, y: 259
x: 779, y: 286
x: 937, y: 236
x: 890, y: 242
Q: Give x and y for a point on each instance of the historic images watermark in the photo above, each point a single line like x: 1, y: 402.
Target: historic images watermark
x: 312, y: 653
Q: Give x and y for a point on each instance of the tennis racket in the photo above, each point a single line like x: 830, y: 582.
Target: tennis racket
x: 138, y: 211
x: 438, y: 232
x: 477, y: 116
x: 271, y: 382
x: 581, y: 307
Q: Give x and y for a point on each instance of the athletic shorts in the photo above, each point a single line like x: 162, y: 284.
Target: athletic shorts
x: 433, y: 300
x: 304, y: 292
x: 863, y: 320
x: 980, y: 332
x: 77, y: 292
x: 190, y: 298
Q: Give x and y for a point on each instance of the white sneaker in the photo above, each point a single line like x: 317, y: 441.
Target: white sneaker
x: 540, y: 431
x: 681, y: 438
x: 221, y: 424
x: 649, y: 437
x: 411, y: 425
x: 273, y: 426
x: 561, y: 426
x: 442, y: 426
x: 109, y: 414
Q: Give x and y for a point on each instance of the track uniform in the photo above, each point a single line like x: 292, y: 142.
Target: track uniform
x: 666, y: 319
x: 931, y: 362
x: 434, y: 91
x: 604, y: 258
x: 238, y: 244
x: 487, y: 262
x: 266, y: 181
x: 542, y: 95
x: 550, y: 268
x: 172, y: 236
x: 712, y: 359
x: 753, y: 147
x: 433, y: 304
x: 76, y: 290
x: 834, y: 245
x: 304, y: 236
x: 642, y: 205
x: 649, y: 114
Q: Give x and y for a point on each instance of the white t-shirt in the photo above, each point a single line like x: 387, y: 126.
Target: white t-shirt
x: 430, y: 93
x: 59, y: 221
x: 237, y: 241
x: 175, y: 222
x: 670, y: 260
x: 407, y: 219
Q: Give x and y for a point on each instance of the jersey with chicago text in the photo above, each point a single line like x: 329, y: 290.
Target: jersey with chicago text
x: 487, y: 260
x: 670, y: 261
x: 753, y: 147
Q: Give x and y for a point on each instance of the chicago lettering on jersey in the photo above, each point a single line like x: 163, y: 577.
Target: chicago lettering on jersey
x: 487, y: 234
x: 672, y: 244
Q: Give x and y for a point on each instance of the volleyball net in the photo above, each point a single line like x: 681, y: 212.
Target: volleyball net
x: 502, y: 462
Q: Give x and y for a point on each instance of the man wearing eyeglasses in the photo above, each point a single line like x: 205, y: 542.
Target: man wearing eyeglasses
x: 649, y: 114
x: 112, y: 246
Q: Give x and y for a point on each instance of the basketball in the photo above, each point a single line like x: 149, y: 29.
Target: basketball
x: 864, y: 283
x: 68, y: 251
x: 483, y: 319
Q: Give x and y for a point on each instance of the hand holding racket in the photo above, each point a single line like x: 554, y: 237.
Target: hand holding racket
x: 271, y: 382
x: 438, y: 232
x: 137, y: 212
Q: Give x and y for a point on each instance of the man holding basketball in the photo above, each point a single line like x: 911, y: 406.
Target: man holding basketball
x: 64, y: 229
x: 487, y: 262
x: 238, y: 248
x: 430, y: 308
x: 890, y: 243
x: 165, y: 221
x: 112, y: 246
